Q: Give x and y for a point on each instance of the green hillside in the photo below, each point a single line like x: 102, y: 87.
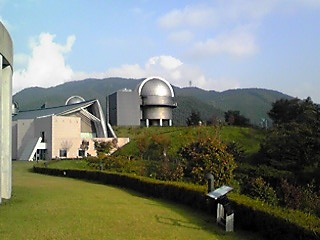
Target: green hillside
x: 32, y: 98
x: 252, y: 103
x: 248, y: 138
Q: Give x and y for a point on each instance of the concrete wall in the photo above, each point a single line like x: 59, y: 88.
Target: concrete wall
x: 44, y: 125
x: 87, y: 126
x: 124, y: 109
x: 6, y: 64
x: 14, y: 140
x: 112, y: 109
x: 25, y: 132
x: 60, y: 132
x: 66, y: 135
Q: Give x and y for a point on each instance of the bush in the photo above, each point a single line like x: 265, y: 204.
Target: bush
x: 236, y: 150
x: 260, y: 189
x: 102, y: 147
x: 118, y: 164
x: 169, y: 171
x: 208, y: 156
x: 298, y: 197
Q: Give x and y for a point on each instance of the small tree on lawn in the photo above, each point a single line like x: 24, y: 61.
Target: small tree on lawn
x: 158, y: 147
x: 103, y: 148
x: 142, y: 144
x: 194, y: 119
x: 208, y: 155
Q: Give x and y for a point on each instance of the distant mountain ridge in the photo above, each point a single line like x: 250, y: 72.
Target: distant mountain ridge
x: 253, y: 103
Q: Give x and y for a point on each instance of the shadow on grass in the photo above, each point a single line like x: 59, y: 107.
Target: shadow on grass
x: 176, y: 222
x: 188, y: 217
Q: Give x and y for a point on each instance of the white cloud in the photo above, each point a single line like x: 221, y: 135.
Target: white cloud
x: 126, y: 71
x: 170, y: 68
x: 238, y: 42
x: 191, y: 16
x: 217, y: 27
x: 46, y: 67
x: 216, y: 13
x: 181, y: 36
x: 163, y: 63
x: 20, y: 60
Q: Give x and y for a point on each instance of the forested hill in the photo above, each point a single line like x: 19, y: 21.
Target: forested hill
x: 252, y: 103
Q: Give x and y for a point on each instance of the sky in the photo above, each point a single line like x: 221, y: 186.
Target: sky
x: 214, y: 45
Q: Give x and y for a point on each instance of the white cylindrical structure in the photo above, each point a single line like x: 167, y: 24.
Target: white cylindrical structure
x: 6, y: 63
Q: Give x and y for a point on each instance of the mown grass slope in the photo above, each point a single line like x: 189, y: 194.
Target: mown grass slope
x: 47, y: 207
x: 248, y: 138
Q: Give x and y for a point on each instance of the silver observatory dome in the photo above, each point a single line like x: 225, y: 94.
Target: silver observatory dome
x: 157, y: 101
x: 156, y: 87
x: 74, y: 99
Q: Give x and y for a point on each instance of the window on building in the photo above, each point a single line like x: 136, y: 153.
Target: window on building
x: 63, y: 153
x: 82, y: 153
x: 42, y: 136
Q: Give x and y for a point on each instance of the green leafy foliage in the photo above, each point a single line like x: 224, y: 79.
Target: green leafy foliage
x: 237, y: 151
x: 236, y: 119
x: 194, y: 119
x: 103, y: 147
x: 294, y: 143
x: 208, y: 155
x: 297, y: 197
x: 294, y: 110
x: 260, y: 189
x: 169, y: 171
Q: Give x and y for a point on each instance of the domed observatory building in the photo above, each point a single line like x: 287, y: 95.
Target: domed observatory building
x: 74, y: 100
x: 157, y: 102
x: 150, y: 104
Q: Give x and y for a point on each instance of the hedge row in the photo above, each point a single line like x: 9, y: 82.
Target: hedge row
x: 271, y: 222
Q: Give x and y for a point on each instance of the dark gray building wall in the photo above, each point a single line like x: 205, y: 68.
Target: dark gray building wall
x: 124, y: 108
x: 112, y: 109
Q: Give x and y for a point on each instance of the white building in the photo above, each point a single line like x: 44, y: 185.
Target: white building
x: 67, y: 131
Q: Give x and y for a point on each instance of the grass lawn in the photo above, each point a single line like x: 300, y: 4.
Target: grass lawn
x: 47, y: 207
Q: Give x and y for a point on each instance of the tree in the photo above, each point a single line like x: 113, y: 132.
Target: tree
x: 142, y: 144
x: 208, y: 155
x: 84, y: 145
x: 260, y: 189
x: 294, y: 110
x: 194, y: 119
x: 294, y: 142
x: 102, y: 147
x: 213, y: 120
x: 236, y: 119
x: 160, y: 144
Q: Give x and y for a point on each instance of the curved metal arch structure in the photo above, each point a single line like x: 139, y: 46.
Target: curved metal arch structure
x: 6, y: 71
